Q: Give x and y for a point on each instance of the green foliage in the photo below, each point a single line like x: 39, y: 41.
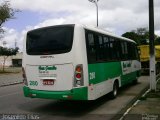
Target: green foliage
x: 132, y: 35
x: 141, y: 36
x: 157, y: 41
x: 6, y: 52
x: 6, y: 13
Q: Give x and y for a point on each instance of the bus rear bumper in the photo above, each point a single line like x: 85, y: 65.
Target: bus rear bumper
x: 74, y: 94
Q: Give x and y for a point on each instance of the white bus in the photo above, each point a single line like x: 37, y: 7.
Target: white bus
x: 76, y: 62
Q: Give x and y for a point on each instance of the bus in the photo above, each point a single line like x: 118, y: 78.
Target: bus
x: 77, y: 62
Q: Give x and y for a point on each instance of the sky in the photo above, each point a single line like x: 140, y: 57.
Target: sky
x: 117, y: 16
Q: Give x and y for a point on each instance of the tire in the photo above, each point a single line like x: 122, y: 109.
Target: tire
x: 114, y: 93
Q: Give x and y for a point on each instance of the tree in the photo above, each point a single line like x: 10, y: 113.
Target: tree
x: 6, y: 13
x: 140, y: 36
x: 132, y: 35
x: 157, y: 41
x: 6, y: 52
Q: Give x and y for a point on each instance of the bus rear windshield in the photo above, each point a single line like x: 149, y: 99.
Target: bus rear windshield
x: 50, y: 40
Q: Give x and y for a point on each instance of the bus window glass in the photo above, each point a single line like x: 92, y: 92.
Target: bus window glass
x: 124, y: 50
x: 135, y: 52
x: 50, y: 40
x: 100, y: 50
x: 117, y: 49
x: 106, y: 48
x: 91, y: 51
x: 113, y: 49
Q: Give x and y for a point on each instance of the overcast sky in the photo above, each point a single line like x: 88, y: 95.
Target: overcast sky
x: 117, y: 16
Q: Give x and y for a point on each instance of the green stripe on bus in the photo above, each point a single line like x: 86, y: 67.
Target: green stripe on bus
x: 110, y: 70
x: 128, y: 78
x: 74, y: 94
x: 104, y: 71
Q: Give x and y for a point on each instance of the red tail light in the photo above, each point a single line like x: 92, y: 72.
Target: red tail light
x: 78, y: 76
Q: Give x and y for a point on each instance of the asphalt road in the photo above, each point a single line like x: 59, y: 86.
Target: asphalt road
x: 13, y: 102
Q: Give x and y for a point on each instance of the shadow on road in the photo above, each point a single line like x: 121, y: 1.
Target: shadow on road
x: 65, y: 108
x: 69, y: 108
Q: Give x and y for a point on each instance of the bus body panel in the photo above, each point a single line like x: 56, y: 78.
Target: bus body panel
x: 80, y: 52
x: 100, y: 89
x: 104, y: 71
x: 74, y: 94
x: 62, y: 75
x: 103, y: 75
x: 63, y: 72
x: 98, y: 78
x: 59, y: 76
x: 130, y: 71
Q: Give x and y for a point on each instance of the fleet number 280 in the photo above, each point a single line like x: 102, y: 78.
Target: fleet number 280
x: 92, y: 75
x: 33, y: 83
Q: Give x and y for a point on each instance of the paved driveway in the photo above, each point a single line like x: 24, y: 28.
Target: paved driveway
x: 10, y: 78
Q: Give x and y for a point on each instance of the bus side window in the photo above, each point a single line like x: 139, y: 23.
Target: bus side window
x: 136, y: 55
x: 91, y: 50
x: 118, y: 49
x: 113, y: 49
x: 106, y: 48
x: 100, y: 49
x: 124, y: 50
x: 130, y: 51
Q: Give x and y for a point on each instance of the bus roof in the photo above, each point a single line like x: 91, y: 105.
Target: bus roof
x: 104, y: 32
x: 95, y: 29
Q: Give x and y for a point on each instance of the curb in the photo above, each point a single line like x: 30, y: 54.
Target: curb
x: 123, y: 110
x: 3, y: 85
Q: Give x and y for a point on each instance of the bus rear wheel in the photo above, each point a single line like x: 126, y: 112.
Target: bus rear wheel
x: 114, y: 93
x: 135, y: 82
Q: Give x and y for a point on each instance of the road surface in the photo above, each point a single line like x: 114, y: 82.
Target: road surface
x: 13, y: 102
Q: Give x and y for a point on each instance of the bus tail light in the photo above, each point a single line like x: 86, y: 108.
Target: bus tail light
x: 78, y: 76
x: 24, y: 76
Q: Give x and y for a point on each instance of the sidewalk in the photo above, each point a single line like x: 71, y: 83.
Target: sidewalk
x: 147, y: 107
x: 10, y: 78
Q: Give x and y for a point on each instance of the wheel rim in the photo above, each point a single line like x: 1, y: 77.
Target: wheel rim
x: 115, y: 90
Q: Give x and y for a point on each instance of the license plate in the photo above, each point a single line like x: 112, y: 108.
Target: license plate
x: 48, y: 82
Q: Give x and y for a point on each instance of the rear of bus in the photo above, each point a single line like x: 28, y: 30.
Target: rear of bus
x: 55, y: 63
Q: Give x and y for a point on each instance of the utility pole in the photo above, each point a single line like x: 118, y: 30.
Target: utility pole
x: 15, y: 44
x: 96, y: 3
x: 4, y: 43
x: 152, y: 47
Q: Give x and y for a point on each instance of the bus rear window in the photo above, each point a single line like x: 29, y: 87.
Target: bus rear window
x: 50, y: 40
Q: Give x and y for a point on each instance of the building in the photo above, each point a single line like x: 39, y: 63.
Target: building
x: 15, y: 60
